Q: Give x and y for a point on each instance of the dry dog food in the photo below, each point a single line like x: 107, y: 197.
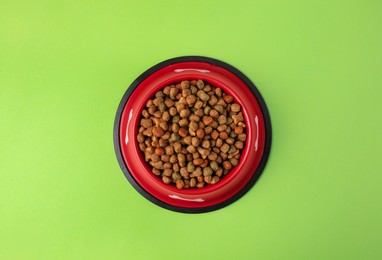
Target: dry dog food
x: 191, y: 134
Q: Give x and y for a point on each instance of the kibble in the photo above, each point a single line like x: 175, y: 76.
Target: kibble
x: 191, y: 133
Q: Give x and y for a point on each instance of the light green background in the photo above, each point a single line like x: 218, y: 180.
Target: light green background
x: 64, y: 66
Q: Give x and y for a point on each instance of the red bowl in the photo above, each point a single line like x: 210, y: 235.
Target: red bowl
x: 254, y: 154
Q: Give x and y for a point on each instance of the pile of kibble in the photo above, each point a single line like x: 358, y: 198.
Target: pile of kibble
x: 191, y: 134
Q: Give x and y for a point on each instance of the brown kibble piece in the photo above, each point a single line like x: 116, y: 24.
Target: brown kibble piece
x: 185, y: 93
x: 197, y: 172
x: 203, y: 152
x: 222, y: 119
x: 180, y: 184
x: 191, y: 99
x: 219, y: 108
x: 238, y: 118
x: 183, y: 132
x: 214, y: 113
x: 208, y: 129
x: 173, y: 159
x: 175, y: 137
x: 185, y: 84
x: 242, y: 137
x: 177, y: 147
x: 214, y: 134
x: 145, y: 113
x: 167, y: 165
x: 219, y: 142
x: 213, y: 100
x: 207, y: 171
x: 166, y: 179
x: 232, y: 149
x: 198, y: 161
x: 213, y: 156
x: 142, y: 146
x: 156, y: 172
x: 182, y: 159
x: 200, y: 84
x: 140, y: 138
x: 175, y: 127
x: 183, y: 122
x: 205, y: 163
x: 224, y: 148
x: 207, y: 120
x: 166, y: 90
x: 227, y: 165
x: 157, y: 101
x: 208, y: 179
x: 215, y: 180
x: 173, y: 92
x: 167, y: 172
x: 238, y: 130
x: 159, y: 151
x: 184, y: 113
x: 169, y: 103
x: 214, y: 166
x: 223, y: 135
x: 221, y: 128
x: 200, y: 184
x: 194, y: 117
x: 172, y: 111
x: 207, y: 110
x: 198, y: 105
x: 195, y: 155
x: 239, y: 144
x: 155, y: 157
x: 183, y: 171
x: 164, y: 126
x: 228, y: 98
x: 219, y: 172
x: 146, y: 123
x: 206, y: 144
x: 152, y: 109
x: 169, y: 150
x: 192, y: 182
x: 190, y: 167
x: 234, y: 161
x: 235, y: 108
x: 158, y: 132
x: 200, y: 133
x: 175, y: 176
x: 218, y: 92
x: 191, y: 149
x: 166, y: 116
x: 214, y: 124
x: 195, y: 141
x: 230, y: 140
x: 193, y: 126
x: 222, y: 103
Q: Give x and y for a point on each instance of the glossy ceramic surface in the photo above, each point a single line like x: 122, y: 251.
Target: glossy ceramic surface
x: 138, y: 171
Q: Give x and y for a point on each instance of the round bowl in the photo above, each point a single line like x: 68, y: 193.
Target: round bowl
x: 253, y: 156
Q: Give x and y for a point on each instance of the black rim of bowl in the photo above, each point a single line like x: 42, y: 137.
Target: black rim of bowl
x: 258, y: 171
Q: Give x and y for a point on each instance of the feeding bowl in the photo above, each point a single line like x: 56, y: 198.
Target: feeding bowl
x: 253, y: 156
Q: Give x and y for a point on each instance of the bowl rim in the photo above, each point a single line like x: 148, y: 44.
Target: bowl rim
x: 252, y: 88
